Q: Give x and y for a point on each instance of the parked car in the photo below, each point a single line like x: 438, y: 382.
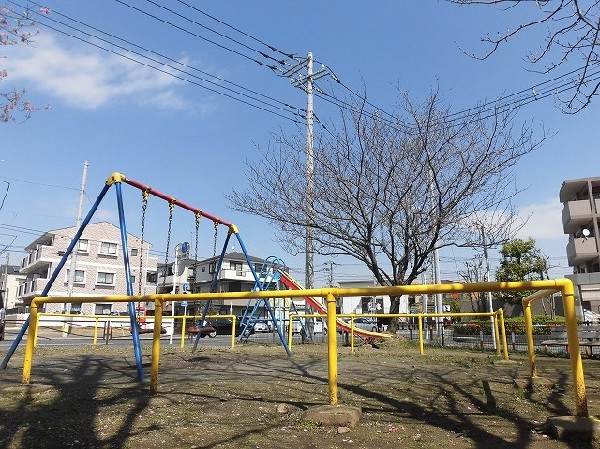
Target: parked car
x: 368, y: 324
x: 261, y: 326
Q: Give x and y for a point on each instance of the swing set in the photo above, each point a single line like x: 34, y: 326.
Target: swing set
x: 117, y: 179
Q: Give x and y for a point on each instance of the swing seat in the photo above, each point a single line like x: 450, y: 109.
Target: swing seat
x: 149, y: 331
x: 203, y: 331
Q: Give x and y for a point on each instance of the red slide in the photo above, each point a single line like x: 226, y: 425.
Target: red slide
x: 289, y: 282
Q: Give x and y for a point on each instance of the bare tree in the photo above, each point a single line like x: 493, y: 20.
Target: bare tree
x: 571, y: 42
x: 474, y: 272
x: 388, y: 190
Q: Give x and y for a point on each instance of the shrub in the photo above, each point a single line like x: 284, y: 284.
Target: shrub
x: 541, y: 325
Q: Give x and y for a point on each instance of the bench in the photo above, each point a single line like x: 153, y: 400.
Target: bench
x: 588, y: 336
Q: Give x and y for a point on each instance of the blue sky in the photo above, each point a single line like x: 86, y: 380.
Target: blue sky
x: 193, y: 144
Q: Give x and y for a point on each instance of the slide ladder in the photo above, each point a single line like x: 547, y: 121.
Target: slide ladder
x: 254, y: 312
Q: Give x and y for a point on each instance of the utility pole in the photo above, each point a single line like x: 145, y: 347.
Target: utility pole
x: 310, y: 193
x: 436, y: 257
x: 306, y: 83
x: 487, y: 279
x: 73, y: 265
x: 330, y: 275
x: 4, y: 286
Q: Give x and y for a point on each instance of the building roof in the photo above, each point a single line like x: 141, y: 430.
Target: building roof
x: 234, y: 256
x: 47, y: 236
x: 12, y: 269
x: 571, y: 187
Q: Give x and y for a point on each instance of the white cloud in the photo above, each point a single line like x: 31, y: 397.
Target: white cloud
x: 544, y: 220
x: 85, y: 78
x: 108, y: 215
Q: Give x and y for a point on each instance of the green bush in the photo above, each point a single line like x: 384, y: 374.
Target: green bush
x: 541, y: 325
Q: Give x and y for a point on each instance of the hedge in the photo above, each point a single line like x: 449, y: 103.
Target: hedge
x: 541, y: 325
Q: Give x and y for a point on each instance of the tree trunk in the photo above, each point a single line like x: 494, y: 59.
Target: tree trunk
x: 392, y: 324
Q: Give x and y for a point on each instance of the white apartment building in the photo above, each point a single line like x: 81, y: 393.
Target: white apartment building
x: 99, y: 268
x: 581, y: 221
x: 367, y: 304
x: 10, y: 278
x: 235, y: 276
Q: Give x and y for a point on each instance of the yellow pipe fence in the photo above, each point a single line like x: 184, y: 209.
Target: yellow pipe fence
x: 496, y: 315
x: 101, y: 320
x: 565, y: 286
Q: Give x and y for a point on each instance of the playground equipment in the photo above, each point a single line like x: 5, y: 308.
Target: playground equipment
x: 269, y: 279
x: 117, y: 179
x: 320, y: 308
x: 565, y: 286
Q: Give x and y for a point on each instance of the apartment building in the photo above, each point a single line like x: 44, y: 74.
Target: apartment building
x: 99, y: 268
x: 10, y: 278
x: 235, y: 276
x: 580, y: 219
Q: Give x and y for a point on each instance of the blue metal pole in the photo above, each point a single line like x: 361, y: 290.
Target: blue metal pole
x: 267, y: 302
x: 59, y: 267
x: 135, y: 331
x: 213, y: 289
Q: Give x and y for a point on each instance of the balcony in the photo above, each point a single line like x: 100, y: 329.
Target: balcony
x: 585, y: 278
x: 576, y: 214
x: 32, y: 288
x: 580, y: 250
x: 45, y: 254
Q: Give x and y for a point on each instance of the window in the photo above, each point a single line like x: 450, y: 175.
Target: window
x: 212, y: 267
x: 151, y: 278
x: 132, y: 277
x: 134, y: 252
x: 79, y: 276
x: 108, y: 248
x: 234, y: 265
x: 105, y: 278
x: 103, y: 309
x: 75, y: 308
x: 83, y: 246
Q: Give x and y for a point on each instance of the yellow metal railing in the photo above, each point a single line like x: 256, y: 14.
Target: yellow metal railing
x: 497, y: 316
x: 149, y: 320
x: 565, y: 286
x: 330, y: 294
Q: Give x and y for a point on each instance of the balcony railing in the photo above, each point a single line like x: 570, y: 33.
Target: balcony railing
x: 31, y: 258
x: 581, y: 249
x: 575, y: 213
x: 32, y: 287
x: 41, y: 252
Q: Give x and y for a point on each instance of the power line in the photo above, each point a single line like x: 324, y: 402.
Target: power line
x: 280, y: 110
x: 506, y: 103
x: 188, y: 32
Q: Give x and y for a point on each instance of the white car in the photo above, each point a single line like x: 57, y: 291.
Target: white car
x: 261, y: 326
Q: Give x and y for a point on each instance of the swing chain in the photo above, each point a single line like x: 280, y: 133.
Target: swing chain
x: 195, y: 269
x: 215, y: 239
x: 171, y: 208
x: 145, y: 195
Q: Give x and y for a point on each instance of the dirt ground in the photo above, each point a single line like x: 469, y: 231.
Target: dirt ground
x: 254, y: 397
